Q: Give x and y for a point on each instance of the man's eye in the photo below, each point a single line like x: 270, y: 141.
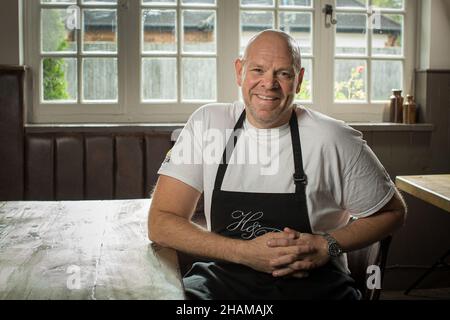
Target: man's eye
x: 286, y: 74
x: 257, y: 70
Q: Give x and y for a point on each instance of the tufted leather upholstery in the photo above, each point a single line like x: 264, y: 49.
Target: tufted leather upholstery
x: 104, y: 165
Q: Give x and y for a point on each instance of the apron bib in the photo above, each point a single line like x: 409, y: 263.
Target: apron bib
x: 247, y: 215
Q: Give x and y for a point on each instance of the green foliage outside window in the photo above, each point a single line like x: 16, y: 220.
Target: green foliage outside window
x: 353, y: 88
x: 54, y: 75
x: 305, y: 91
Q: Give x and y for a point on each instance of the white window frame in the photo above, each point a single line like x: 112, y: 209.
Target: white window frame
x: 367, y: 112
x: 130, y: 109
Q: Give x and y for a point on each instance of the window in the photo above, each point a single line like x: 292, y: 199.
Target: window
x: 292, y: 16
x: 159, y: 60
x: 189, y: 52
x: 373, y: 54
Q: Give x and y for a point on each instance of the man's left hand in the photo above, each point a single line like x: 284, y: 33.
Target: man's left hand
x: 295, y: 262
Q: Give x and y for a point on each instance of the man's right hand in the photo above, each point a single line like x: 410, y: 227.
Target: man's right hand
x: 257, y: 254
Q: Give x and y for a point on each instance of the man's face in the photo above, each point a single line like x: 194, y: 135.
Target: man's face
x: 268, y: 80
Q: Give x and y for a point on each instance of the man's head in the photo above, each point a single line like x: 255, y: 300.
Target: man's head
x: 270, y: 75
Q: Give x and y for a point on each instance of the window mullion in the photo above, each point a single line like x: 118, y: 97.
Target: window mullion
x: 324, y: 63
x: 228, y: 35
x: 79, y: 34
x: 369, y: 56
x: 124, y: 44
x: 180, y: 39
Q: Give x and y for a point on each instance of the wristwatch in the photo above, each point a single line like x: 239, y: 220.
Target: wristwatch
x: 334, y: 249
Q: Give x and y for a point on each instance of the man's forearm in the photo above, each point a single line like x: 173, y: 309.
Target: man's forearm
x: 168, y: 229
x: 366, y: 231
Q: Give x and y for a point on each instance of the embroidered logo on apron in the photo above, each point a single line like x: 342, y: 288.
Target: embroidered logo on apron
x: 248, y: 224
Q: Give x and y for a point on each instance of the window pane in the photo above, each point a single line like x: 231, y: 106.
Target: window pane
x: 351, y: 3
x: 254, y: 22
x: 305, y: 93
x: 388, y: 39
x: 295, y: 3
x: 391, y: 4
x: 100, y: 79
x: 199, y: 2
x: 159, y: 32
x: 199, y: 28
x: 199, y: 79
x: 100, y: 30
x: 350, y: 80
x: 249, y: 3
x: 159, y: 2
x: 55, y: 37
x: 100, y: 1
x: 159, y: 79
x: 59, y: 79
x: 386, y: 75
x: 298, y: 25
x: 59, y: 1
x: 351, y: 34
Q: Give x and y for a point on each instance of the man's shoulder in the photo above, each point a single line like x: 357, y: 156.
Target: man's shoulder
x: 325, y: 129
x: 218, y: 114
x: 310, y: 117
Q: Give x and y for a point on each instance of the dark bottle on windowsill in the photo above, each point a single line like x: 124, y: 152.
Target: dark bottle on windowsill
x: 409, y: 110
x: 396, y: 106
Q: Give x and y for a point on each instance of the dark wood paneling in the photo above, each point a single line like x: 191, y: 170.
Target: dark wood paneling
x: 11, y: 135
x: 69, y: 168
x: 129, y: 182
x: 381, y: 146
x: 39, y: 183
x: 99, y: 168
x: 367, y: 135
x: 420, y: 150
x: 156, y: 147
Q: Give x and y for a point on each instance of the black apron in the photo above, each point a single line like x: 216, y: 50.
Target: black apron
x: 246, y: 215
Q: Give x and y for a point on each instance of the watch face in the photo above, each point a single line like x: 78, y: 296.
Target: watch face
x: 334, y: 250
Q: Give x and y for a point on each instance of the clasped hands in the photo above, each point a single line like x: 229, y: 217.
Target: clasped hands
x: 287, y: 253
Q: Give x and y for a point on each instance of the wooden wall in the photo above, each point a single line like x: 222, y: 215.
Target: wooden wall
x: 92, y: 165
x: 11, y: 132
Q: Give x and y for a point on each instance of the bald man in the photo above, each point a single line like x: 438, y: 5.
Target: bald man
x: 280, y: 184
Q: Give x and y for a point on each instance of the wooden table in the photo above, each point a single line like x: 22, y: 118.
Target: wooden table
x: 434, y: 189
x: 83, y: 250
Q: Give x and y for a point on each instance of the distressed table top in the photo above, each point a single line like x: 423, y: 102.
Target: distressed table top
x: 83, y: 250
x: 434, y: 188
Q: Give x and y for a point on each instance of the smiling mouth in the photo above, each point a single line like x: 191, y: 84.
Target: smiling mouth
x: 267, y: 98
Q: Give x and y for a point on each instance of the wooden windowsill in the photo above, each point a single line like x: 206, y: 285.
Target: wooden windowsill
x: 388, y: 126
x: 169, y: 127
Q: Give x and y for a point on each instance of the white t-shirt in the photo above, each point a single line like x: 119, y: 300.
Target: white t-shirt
x: 345, y: 178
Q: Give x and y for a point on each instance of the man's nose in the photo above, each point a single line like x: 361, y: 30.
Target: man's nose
x: 270, y: 81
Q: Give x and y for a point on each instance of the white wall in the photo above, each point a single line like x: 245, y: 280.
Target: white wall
x: 10, y: 32
x: 434, y: 34
x: 440, y: 35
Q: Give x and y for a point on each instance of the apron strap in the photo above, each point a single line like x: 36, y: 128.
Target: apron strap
x: 228, y: 151
x: 299, y: 176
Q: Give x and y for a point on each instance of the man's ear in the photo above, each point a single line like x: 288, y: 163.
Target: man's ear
x: 300, y: 80
x: 238, y: 68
